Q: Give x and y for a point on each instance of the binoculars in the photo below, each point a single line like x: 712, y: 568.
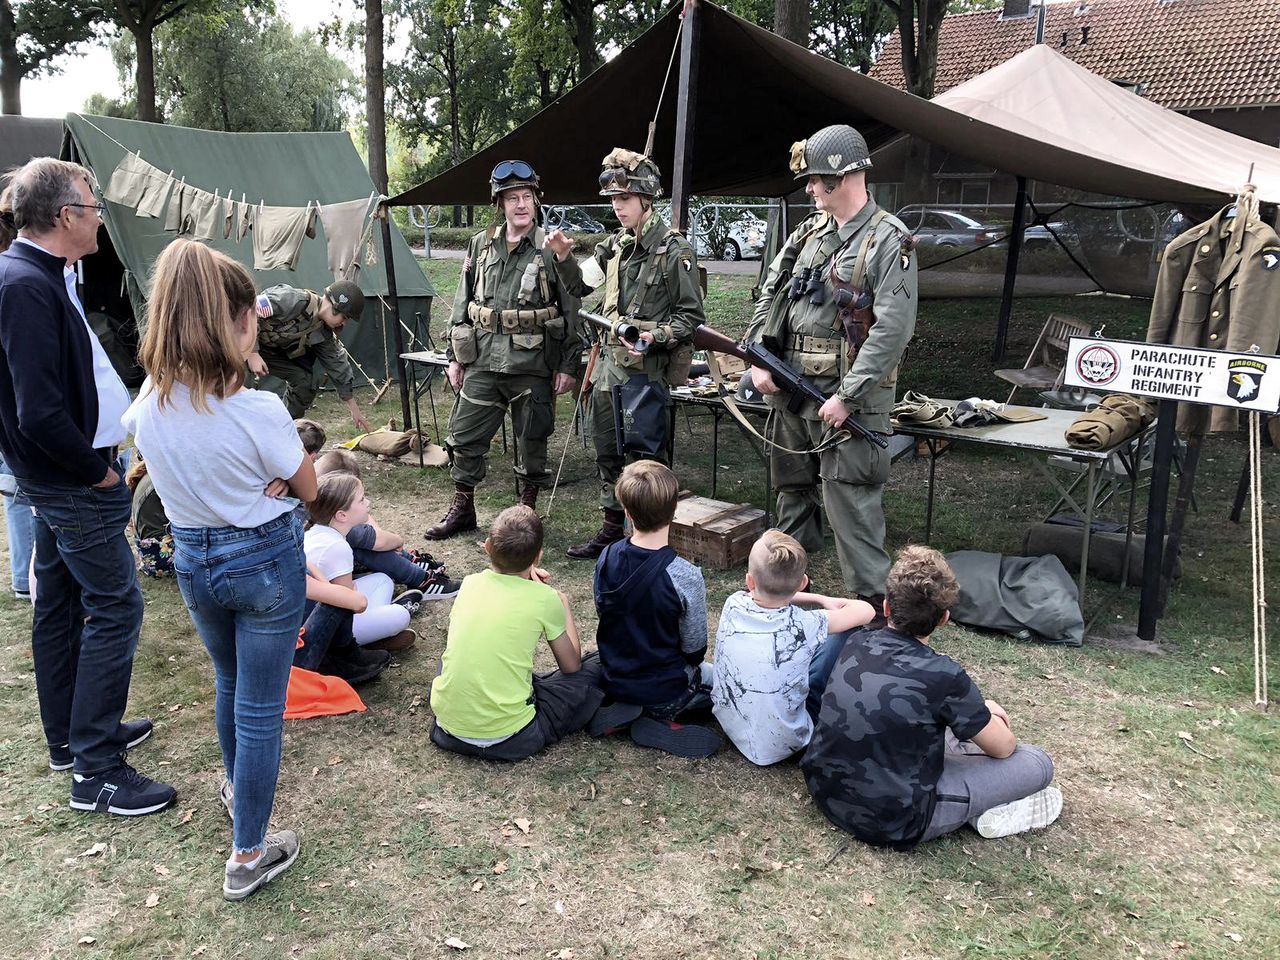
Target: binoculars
x: 808, y: 282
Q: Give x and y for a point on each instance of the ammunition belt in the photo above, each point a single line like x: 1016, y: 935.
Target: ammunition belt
x: 510, y: 321
x: 803, y: 344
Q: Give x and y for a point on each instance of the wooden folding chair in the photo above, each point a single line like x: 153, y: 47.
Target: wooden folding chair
x: 1044, y: 367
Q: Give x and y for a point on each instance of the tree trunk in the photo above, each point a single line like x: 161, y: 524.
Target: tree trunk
x: 10, y: 85
x: 145, y: 75
x: 581, y: 16
x: 10, y: 66
x: 375, y: 93
x: 791, y: 20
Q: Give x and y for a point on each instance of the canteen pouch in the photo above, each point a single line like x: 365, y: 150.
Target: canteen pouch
x: 641, y: 407
x: 462, y: 337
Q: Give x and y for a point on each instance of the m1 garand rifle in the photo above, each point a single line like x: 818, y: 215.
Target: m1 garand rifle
x: 799, y: 389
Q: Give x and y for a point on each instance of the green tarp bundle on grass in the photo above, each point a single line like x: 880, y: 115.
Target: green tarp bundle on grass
x: 282, y: 169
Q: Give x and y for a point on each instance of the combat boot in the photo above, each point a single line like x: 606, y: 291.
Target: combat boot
x: 529, y: 496
x: 460, y: 518
x: 611, y: 531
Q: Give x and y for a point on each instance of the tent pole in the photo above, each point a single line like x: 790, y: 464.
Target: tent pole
x: 393, y: 300
x: 1157, y: 507
x: 686, y: 111
x: 1011, y: 269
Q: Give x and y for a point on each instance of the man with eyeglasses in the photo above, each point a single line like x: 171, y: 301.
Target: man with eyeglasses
x: 60, y: 408
x: 513, y: 345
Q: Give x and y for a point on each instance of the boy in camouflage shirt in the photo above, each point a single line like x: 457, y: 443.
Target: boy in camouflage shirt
x: 905, y: 748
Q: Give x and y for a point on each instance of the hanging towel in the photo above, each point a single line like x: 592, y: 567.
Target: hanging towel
x: 343, y: 230
x: 278, y: 233
x: 129, y: 181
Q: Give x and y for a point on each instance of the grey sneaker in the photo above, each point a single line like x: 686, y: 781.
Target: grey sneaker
x: 280, y: 850
x: 1030, y: 813
x: 227, y: 794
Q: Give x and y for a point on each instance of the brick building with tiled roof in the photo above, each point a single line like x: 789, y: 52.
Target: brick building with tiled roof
x: 1187, y: 55
x: 1215, y: 60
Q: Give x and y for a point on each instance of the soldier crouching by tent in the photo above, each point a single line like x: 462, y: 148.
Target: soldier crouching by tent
x: 297, y: 328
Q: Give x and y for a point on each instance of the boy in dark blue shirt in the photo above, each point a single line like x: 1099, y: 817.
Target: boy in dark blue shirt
x: 652, y: 633
x: 905, y: 748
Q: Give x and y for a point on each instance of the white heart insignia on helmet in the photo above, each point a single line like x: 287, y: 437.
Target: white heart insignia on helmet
x: 834, y: 159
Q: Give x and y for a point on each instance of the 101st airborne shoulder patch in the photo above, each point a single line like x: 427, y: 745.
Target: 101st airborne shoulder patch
x: 1270, y: 258
x: 686, y: 263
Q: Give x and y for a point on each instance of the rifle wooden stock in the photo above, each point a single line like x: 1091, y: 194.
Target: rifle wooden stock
x: 798, y: 388
x: 626, y: 332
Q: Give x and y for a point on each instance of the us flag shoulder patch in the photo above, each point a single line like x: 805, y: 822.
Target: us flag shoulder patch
x: 262, y: 306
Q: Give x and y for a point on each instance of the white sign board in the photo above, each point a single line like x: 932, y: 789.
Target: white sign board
x: 1242, y: 381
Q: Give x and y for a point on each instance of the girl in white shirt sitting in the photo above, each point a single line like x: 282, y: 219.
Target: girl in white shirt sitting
x: 341, y: 504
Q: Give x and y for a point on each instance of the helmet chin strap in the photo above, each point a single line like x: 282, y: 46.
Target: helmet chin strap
x: 830, y: 183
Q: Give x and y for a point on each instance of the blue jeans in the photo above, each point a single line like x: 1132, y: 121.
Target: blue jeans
x: 824, y: 661
x: 326, y: 628
x: 88, y: 612
x: 20, y: 526
x: 245, y: 589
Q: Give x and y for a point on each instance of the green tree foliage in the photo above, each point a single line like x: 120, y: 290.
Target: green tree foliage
x: 231, y: 68
x: 34, y: 34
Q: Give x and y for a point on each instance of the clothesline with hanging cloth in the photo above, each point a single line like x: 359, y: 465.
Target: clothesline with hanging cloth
x: 278, y: 231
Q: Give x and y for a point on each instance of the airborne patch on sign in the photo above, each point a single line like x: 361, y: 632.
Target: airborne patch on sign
x: 262, y: 306
x: 1270, y: 258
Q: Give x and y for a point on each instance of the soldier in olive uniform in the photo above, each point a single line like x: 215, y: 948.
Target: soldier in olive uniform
x: 298, y: 328
x: 650, y: 278
x: 513, y: 343
x: 871, y: 250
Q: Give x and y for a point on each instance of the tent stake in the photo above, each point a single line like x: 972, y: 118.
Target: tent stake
x: 1011, y: 269
x: 393, y: 301
x: 686, y: 112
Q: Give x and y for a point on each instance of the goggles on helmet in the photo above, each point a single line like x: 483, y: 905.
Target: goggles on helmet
x: 615, y: 178
x: 509, y: 169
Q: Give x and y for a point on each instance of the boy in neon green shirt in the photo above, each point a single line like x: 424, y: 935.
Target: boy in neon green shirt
x: 487, y: 700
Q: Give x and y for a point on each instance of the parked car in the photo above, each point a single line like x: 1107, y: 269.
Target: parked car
x: 745, y: 240
x: 570, y: 220
x: 948, y: 229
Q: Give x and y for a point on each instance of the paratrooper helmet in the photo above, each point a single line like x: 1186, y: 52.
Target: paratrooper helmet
x: 346, y: 298
x: 831, y: 152
x: 510, y: 174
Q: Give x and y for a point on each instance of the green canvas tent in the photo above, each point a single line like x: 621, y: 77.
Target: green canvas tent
x: 22, y: 138
x: 283, y: 169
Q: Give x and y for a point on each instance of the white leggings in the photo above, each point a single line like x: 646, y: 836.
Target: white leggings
x: 382, y: 618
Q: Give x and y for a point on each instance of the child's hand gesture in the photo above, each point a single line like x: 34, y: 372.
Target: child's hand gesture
x: 998, y: 711
x: 277, y: 488
x: 539, y: 575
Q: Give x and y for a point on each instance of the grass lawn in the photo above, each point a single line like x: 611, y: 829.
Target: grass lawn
x: 1168, y: 845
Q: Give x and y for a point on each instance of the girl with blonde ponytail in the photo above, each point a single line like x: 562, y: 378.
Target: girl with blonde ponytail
x: 222, y: 457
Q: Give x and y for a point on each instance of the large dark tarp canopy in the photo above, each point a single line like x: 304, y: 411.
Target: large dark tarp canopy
x: 22, y: 138
x: 756, y: 94
x: 284, y: 169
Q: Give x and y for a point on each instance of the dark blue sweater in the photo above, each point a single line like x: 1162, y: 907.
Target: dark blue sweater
x: 48, y: 399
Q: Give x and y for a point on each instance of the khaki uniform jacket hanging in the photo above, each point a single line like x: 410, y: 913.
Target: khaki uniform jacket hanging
x: 1215, y: 293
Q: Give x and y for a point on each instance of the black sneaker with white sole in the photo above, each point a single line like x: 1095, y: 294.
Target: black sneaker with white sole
x: 278, y: 853
x: 411, y: 600
x: 122, y: 791
x: 440, y: 587
x: 133, y: 732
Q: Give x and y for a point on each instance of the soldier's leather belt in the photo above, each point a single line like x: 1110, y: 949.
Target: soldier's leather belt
x: 510, y: 321
x: 803, y: 344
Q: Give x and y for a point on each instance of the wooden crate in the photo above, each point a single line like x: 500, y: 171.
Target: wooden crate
x: 714, y: 533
